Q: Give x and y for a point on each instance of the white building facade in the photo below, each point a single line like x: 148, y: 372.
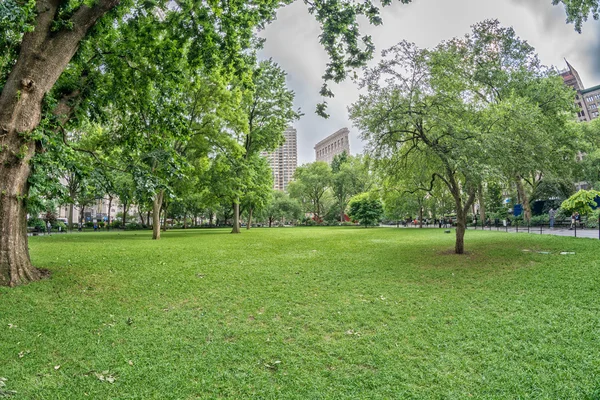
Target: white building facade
x: 333, y: 145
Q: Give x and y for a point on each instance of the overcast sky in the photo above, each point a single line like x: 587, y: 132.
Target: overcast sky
x: 292, y: 42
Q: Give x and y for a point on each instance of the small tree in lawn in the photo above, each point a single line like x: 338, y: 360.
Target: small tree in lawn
x: 581, y: 202
x: 366, y: 209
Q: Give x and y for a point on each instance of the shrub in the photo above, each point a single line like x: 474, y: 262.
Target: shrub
x: 592, y: 219
x: 36, y: 223
x: 538, y: 220
x: 116, y: 224
x: 366, y: 208
x: 58, y: 224
x: 132, y: 226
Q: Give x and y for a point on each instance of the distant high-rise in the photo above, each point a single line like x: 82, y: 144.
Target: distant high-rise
x: 284, y: 160
x: 588, y: 100
x: 332, y: 145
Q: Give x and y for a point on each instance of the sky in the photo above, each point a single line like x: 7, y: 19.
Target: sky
x: 292, y: 41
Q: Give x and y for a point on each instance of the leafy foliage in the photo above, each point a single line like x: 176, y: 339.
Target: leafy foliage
x: 365, y: 208
x: 581, y: 202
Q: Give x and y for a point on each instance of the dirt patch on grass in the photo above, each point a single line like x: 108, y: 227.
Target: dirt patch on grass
x: 44, y: 273
x: 450, y: 252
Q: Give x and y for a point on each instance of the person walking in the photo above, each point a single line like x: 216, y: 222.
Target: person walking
x: 551, y: 216
x: 49, y: 227
x: 572, y: 221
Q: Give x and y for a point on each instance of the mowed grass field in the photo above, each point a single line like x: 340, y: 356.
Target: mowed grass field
x: 305, y: 313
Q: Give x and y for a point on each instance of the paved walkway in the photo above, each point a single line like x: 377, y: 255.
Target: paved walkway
x: 581, y: 233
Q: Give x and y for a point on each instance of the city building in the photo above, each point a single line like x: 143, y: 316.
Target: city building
x: 332, y: 145
x: 588, y: 100
x: 284, y: 160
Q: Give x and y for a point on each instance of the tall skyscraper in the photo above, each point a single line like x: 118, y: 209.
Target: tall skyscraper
x: 588, y: 100
x: 332, y: 145
x: 284, y: 160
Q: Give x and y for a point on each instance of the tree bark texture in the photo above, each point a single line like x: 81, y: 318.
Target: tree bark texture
x: 250, y: 210
x: 481, y: 200
x: 43, y: 57
x: 109, y: 207
x: 236, y: 218
x: 461, y: 225
x: 71, y: 211
x: 524, y: 198
x: 125, y: 211
x: 156, y: 205
x: 164, y: 224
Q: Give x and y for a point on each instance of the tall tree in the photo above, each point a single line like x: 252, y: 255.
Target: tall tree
x: 350, y: 176
x: 311, y: 182
x: 41, y: 38
x: 269, y: 110
x: 420, y: 113
x: 444, y: 109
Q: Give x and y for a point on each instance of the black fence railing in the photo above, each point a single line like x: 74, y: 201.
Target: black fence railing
x: 562, y: 227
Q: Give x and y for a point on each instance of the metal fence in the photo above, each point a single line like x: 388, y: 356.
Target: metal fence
x: 560, y: 227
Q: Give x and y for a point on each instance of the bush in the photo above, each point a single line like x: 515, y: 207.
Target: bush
x: 132, y: 226
x: 89, y: 224
x: 538, y: 220
x: 36, y: 223
x: 58, y: 224
x: 116, y: 224
x: 592, y: 219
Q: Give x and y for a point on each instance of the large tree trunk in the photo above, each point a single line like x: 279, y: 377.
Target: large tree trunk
x: 156, y: 206
x: 44, y: 55
x: 524, y: 198
x: 236, y: 218
x: 420, y: 216
x: 70, y: 220
x: 250, y: 210
x: 141, y: 214
x: 15, y: 266
x: 481, y: 200
x: 461, y: 225
x: 164, y: 225
x: 110, y: 199
x: 125, y: 211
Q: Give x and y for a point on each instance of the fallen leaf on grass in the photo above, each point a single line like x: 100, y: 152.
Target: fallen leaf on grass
x: 105, y: 377
x: 273, y: 365
x: 23, y: 353
x: 4, y: 392
x: 56, y: 367
x: 130, y: 363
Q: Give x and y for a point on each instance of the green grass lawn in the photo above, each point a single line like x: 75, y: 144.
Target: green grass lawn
x: 305, y: 313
